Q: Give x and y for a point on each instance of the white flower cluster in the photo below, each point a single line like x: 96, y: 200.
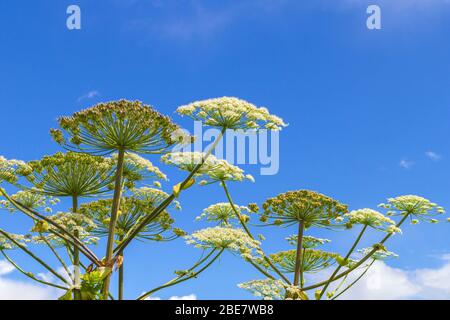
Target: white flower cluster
x: 10, y: 169
x: 138, y: 163
x: 268, y: 289
x: 308, y: 242
x: 369, y: 218
x: 379, y: 254
x: 31, y: 200
x: 414, y: 205
x: 231, y: 113
x: 222, y: 212
x: 6, y: 244
x: 153, y: 196
x: 214, y: 168
x: 75, y: 222
x: 235, y: 240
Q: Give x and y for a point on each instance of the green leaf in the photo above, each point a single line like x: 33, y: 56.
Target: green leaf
x: 177, y: 190
x: 40, y: 226
x: 67, y: 295
x: 341, y: 261
x: 189, y: 184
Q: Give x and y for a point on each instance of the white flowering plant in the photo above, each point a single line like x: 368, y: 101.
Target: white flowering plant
x: 105, y: 192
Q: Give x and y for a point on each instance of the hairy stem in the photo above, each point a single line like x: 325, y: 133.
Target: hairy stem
x: 298, y: 275
x: 121, y: 275
x: 76, y: 256
x: 113, y: 220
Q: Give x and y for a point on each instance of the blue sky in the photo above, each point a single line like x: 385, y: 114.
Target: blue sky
x: 368, y: 110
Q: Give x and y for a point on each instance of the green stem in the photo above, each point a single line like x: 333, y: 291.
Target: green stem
x: 35, y: 216
x: 238, y: 215
x: 345, y: 260
x: 268, y: 275
x: 58, y: 257
x: 113, y: 220
x: 360, y: 262
x: 121, y: 274
x: 178, y: 280
x: 32, y: 255
x: 298, y: 275
x: 30, y: 275
x: 76, y: 256
x: 357, y: 279
x: 167, y: 201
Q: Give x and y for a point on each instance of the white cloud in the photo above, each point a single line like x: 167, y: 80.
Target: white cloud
x: 406, y: 164
x: 387, y: 283
x: 435, y: 282
x: 188, y: 297
x: 383, y: 283
x: 433, y: 155
x: 21, y: 290
x: 18, y: 290
x: 89, y: 95
x: 5, y: 267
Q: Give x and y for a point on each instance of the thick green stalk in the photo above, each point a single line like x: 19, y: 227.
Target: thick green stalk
x: 345, y: 260
x: 238, y: 215
x: 298, y: 275
x: 121, y: 274
x: 76, y: 256
x: 167, y: 201
x: 359, y: 263
x: 113, y: 220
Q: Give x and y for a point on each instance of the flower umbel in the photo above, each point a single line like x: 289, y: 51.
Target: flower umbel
x: 231, y: 113
x: 312, y: 260
x: 137, y: 168
x: 234, y: 240
x: 370, y: 218
x: 116, y: 125
x: 308, y: 242
x: 132, y: 210
x: 380, y: 254
x: 311, y: 208
x: 213, y: 168
x: 30, y: 200
x: 418, y: 207
x: 11, y: 170
x: 68, y: 174
x: 268, y: 289
x: 222, y: 213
